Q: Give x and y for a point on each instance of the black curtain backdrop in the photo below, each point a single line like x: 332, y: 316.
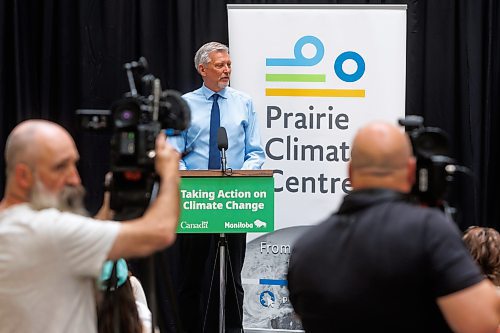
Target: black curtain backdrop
x: 57, y: 56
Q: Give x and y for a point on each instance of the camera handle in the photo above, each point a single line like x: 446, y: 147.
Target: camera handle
x: 449, y: 211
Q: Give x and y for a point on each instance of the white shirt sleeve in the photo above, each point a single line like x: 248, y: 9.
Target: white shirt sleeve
x: 141, y: 303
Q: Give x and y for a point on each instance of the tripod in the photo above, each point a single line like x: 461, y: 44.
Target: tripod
x: 223, y: 258
x: 222, y: 282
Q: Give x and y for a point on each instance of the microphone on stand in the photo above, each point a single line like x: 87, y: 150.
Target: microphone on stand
x: 222, y: 145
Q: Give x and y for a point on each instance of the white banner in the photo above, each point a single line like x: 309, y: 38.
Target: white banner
x: 316, y: 74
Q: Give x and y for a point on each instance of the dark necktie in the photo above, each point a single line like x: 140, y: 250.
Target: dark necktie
x: 213, y: 153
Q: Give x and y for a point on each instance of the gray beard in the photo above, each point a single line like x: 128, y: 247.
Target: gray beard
x: 70, y: 199
x: 222, y: 85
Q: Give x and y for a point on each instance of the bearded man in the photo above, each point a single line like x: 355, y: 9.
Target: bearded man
x: 50, y: 254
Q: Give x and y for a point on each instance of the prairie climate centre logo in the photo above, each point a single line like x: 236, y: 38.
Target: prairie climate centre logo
x: 306, y: 78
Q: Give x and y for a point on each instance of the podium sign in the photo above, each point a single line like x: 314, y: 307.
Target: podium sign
x: 226, y: 204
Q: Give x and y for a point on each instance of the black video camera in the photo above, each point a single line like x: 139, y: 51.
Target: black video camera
x: 135, y: 121
x: 435, y: 168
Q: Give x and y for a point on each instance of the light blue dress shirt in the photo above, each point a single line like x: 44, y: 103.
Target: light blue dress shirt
x: 237, y: 116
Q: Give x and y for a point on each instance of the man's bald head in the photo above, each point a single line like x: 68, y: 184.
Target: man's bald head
x: 381, y: 156
x: 41, y: 159
x: 26, y: 140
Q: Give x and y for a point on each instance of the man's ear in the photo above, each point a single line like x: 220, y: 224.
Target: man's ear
x: 412, y: 171
x: 350, y: 172
x: 202, y: 70
x: 23, y: 175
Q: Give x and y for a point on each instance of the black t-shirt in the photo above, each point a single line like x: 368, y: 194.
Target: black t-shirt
x: 378, y: 264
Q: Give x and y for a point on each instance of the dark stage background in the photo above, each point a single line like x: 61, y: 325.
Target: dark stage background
x: 57, y: 56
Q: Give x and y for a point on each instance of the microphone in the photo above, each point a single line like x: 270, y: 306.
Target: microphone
x: 222, y: 145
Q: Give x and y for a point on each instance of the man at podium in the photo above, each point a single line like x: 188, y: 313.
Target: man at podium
x: 213, y: 106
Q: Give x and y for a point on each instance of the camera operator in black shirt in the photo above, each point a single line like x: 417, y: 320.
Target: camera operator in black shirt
x: 384, y: 264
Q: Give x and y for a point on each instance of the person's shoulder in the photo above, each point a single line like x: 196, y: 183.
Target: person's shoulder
x: 136, y: 284
x: 238, y: 94
x: 414, y: 211
x: 24, y: 212
x: 16, y: 215
x: 21, y: 208
x: 432, y: 214
x: 310, y: 246
x: 49, y: 221
x: 315, y: 235
x: 436, y: 220
x: 193, y: 94
x: 417, y: 213
x: 430, y: 222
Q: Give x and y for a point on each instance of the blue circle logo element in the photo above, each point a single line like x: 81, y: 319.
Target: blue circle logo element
x: 299, y: 58
x: 350, y: 55
x: 267, y: 299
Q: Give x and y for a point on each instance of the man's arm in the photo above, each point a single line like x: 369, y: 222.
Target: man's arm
x: 475, y: 309
x: 254, y: 152
x: 179, y: 144
x: 156, y: 229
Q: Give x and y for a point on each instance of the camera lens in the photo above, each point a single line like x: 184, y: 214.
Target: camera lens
x: 430, y: 142
x: 126, y: 113
x: 174, y: 113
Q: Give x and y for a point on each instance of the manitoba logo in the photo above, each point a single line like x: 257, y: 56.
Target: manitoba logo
x: 260, y: 224
x: 294, y: 76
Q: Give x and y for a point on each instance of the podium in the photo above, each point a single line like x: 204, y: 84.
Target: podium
x: 214, y: 202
